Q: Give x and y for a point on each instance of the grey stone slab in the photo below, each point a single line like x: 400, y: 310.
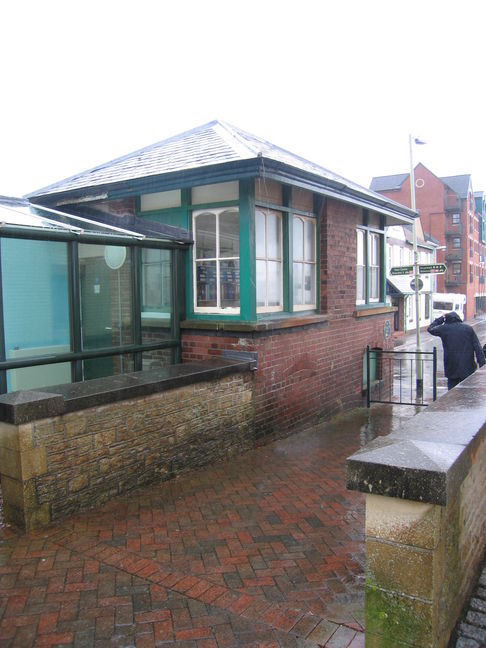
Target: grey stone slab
x: 24, y: 406
x: 440, y: 427
x: 21, y: 407
x: 408, y: 469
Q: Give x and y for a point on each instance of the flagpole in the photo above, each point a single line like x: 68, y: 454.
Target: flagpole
x: 416, y: 275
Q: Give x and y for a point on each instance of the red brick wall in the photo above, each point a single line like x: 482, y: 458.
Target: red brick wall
x: 310, y: 371
x: 431, y: 198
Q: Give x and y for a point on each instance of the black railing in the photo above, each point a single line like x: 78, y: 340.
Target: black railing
x: 391, y: 377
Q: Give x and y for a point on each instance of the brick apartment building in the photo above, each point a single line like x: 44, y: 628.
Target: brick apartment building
x: 453, y: 215
x: 288, y: 261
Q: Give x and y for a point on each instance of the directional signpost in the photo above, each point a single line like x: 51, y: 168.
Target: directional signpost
x: 432, y: 268
x: 401, y: 270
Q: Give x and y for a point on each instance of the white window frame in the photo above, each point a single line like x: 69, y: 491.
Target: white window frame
x: 213, y: 309
x: 361, y: 246
x: 266, y: 308
x: 368, y: 235
x: 372, y: 249
x: 303, y: 262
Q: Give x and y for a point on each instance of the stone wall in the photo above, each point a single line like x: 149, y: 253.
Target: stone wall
x: 425, y: 519
x: 54, y: 465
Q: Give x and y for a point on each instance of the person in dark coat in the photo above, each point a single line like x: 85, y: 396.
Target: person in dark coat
x: 460, y: 344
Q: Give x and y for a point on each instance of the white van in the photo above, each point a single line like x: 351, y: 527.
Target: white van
x: 443, y: 303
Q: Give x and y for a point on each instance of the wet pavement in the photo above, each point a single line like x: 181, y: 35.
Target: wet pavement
x: 264, y: 550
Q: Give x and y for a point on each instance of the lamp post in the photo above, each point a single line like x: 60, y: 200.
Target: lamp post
x: 416, y: 273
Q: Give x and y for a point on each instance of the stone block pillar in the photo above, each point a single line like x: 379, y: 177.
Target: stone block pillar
x: 425, y: 487
x: 22, y: 459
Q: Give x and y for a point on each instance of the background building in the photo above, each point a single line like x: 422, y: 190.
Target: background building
x: 447, y: 209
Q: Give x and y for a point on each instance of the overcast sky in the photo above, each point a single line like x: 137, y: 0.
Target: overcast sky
x: 341, y: 83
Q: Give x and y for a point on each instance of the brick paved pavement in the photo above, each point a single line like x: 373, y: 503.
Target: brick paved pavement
x: 264, y: 550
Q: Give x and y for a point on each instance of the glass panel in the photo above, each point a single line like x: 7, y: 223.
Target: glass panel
x: 156, y: 281
x: 374, y: 249
x: 310, y: 240
x: 297, y: 285
x: 157, y: 359
x: 298, y: 239
x: 206, y: 283
x: 274, y: 283
x: 360, y: 256
x: 360, y: 283
x: 374, y: 282
x: 261, y: 283
x: 205, y: 225
x: 309, y: 284
x: 156, y: 296
x: 106, y: 305
x: 230, y: 284
x: 260, y: 235
x: 113, y: 365
x: 274, y: 234
x: 36, y: 309
x: 212, y: 193
x: 160, y: 200
x: 228, y: 234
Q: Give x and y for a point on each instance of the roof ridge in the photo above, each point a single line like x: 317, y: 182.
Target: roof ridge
x: 236, y: 134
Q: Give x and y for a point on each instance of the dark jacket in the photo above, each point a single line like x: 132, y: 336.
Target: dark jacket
x: 460, y: 344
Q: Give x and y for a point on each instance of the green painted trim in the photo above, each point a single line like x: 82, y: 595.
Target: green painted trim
x: 318, y: 203
x: 247, y: 251
x: 149, y: 214
x: 185, y: 207
x: 288, y: 297
x: 3, y: 374
x: 75, y: 308
x: 215, y: 205
x: 239, y: 170
x: 382, y: 267
x: 282, y: 208
x: 137, y: 305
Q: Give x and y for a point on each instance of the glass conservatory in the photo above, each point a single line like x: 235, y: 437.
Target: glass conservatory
x: 82, y: 299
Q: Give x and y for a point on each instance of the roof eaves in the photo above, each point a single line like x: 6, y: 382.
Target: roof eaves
x: 339, y: 189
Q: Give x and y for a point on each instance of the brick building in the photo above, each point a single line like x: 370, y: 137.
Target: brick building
x: 448, y: 214
x: 288, y: 261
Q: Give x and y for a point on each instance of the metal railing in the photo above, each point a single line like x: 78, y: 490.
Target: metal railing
x: 391, y: 377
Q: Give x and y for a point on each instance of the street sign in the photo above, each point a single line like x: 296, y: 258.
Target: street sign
x: 401, y: 270
x: 420, y: 284
x: 432, y: 268
x: 386, y: 330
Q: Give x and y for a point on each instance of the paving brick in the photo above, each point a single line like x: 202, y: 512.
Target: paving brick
x: 250, y: 552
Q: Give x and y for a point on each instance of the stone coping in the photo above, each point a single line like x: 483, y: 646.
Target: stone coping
x: 261, y: 326
x: 429, y: 457
x: 25, y: 406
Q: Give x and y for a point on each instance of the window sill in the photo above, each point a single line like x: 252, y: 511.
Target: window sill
x: 379, y: 309
x: 260, y: 326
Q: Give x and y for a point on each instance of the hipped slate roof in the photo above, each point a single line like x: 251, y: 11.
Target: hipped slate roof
x: 459, y: 184
x: 388, y: 183
x: 212, y: 148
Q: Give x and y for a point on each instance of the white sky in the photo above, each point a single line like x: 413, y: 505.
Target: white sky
x: 339, y: 82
